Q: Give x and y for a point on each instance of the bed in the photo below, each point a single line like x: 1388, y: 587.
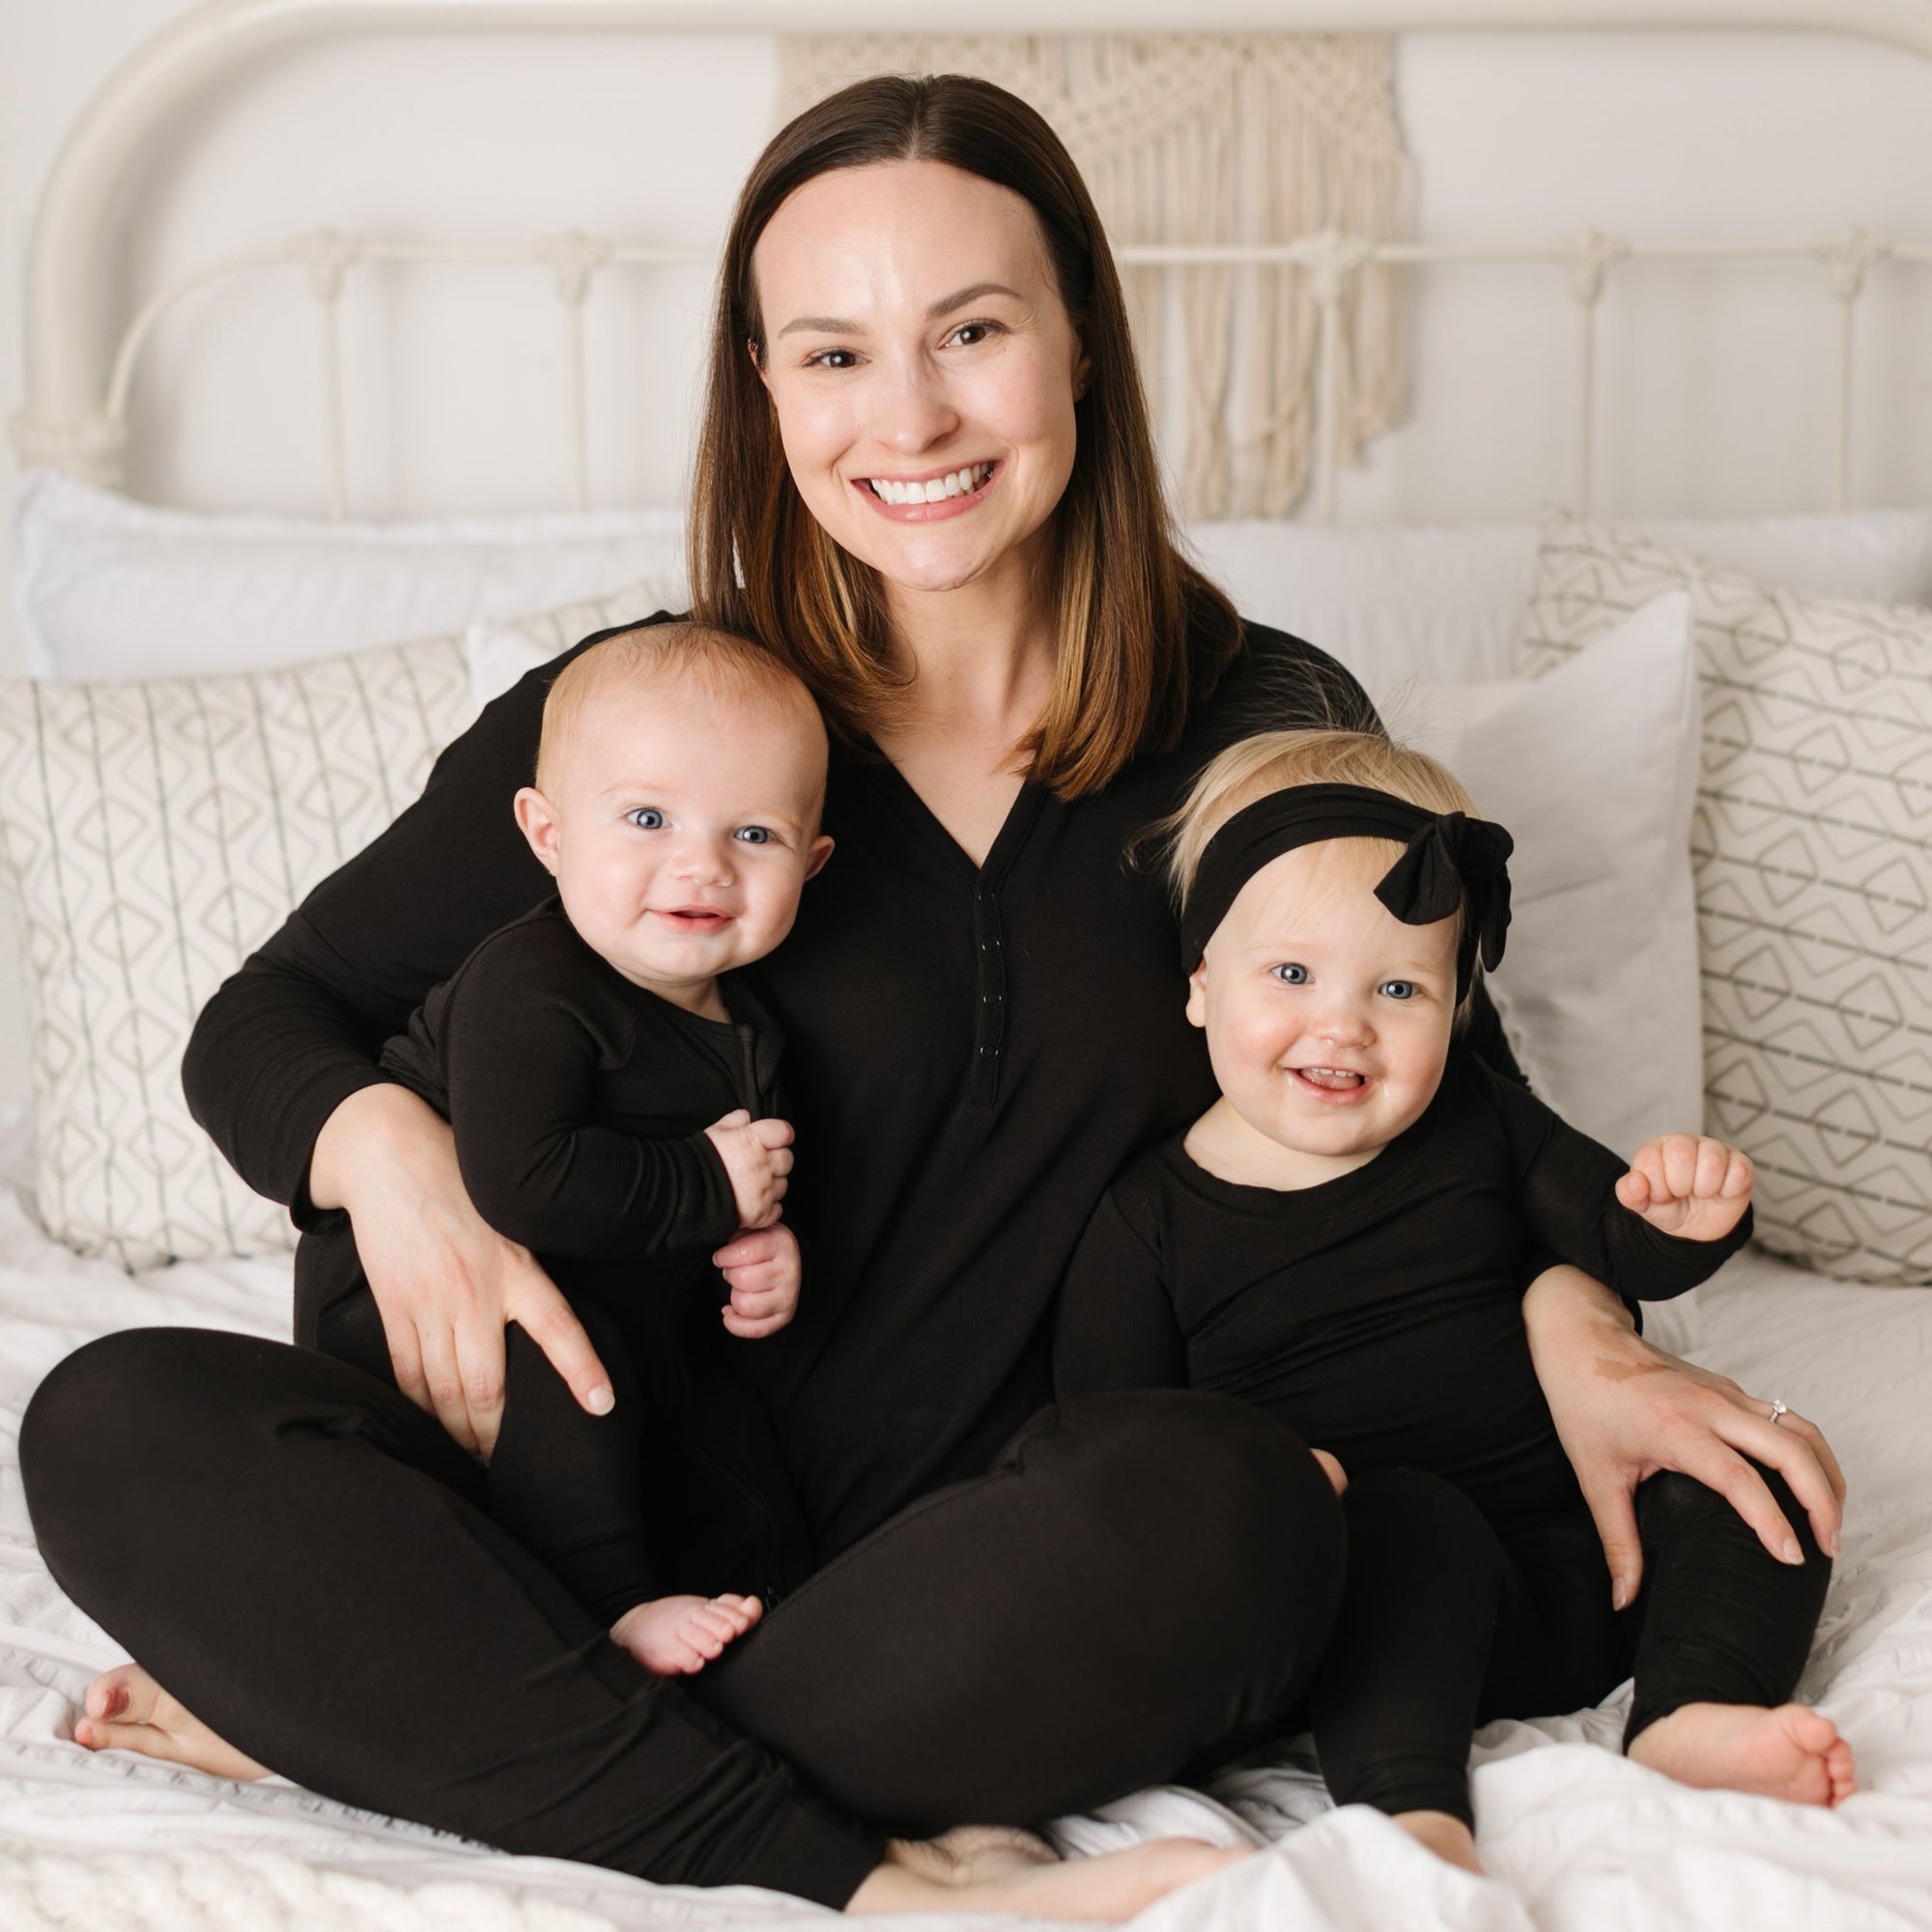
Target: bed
x: 1545, y: 659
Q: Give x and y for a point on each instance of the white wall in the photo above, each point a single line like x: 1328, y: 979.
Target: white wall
x: 1728, y: 372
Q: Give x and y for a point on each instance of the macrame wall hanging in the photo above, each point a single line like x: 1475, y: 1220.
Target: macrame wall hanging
x: 1195, y: 138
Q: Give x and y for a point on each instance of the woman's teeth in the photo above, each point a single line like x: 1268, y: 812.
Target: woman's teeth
x: 934, y: 490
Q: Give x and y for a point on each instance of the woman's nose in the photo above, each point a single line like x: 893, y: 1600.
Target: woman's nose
x: 915, y: 412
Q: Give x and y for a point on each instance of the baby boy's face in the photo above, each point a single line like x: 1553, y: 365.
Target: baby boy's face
x: 685, y: 827
x: 1328, y: 1020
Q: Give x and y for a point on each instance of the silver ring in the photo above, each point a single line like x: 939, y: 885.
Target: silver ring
x: 1778, y: 1409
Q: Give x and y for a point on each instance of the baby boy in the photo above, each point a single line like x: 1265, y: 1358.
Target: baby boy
x: 610, y: 1085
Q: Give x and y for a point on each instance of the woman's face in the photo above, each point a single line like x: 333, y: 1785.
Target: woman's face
x: 924, y: 370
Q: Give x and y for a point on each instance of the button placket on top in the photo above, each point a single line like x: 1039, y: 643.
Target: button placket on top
x: 990, y: 1023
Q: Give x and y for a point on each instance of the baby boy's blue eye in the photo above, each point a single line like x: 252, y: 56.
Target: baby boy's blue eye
x: 754, y: 834
x: 1399, y: 989
x: 646, y: 818
x: 1291, y: 975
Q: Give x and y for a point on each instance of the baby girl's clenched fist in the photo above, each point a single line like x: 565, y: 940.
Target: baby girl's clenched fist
x: 1689, y: 1185
x: 757, y: 1156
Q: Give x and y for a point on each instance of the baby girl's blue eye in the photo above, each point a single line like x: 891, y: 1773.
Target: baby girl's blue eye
x: 1291, y: 975
x: 1399, y: 989
x: 754, y: 834
x: 646, y: 818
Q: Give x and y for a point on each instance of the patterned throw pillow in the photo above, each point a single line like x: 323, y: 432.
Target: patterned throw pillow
x: 155, y: 834
x: 1812, y: 850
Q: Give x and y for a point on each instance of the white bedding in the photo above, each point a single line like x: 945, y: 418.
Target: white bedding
x: 1579, y: 1839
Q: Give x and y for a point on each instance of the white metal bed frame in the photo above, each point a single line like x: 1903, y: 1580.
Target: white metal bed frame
x: 74, y: 417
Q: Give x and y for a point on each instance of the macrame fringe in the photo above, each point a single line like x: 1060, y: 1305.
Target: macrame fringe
x: 1202, y: 139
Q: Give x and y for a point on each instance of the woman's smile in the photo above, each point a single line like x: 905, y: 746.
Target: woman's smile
x: 933, y: 496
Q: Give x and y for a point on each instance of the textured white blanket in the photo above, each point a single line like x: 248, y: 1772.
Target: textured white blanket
x: 1577, y: 1840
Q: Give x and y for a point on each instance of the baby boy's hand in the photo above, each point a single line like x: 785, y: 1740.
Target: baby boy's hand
x: 1688, y: 1185
x: 757, y: 1156
x: 763, y: 1269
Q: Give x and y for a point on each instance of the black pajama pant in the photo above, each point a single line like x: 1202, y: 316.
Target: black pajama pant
x: 1448, y: 1622
x: 1141, y: 1582
x: 682, y: 1487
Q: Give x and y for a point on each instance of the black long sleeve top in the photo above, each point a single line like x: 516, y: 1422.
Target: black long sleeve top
x: 578, y: 1104
x: 1380, y: 1314
x: 973, y: 1053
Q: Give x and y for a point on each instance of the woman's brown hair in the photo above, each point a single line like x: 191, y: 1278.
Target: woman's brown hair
x: 1143, y: 635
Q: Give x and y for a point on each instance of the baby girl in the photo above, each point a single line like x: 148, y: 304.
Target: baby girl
x: 610, y: 1083
x: 1344, y: 1239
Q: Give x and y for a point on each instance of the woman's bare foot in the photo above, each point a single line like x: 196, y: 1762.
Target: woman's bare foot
x: 1792, y: 1752
x: 1331, y: 1467
x: 991, y: 1850
x: 672, y: 1636
x: 921, y: 1877
x: 127, y: 1710
x: 1445, y: 1834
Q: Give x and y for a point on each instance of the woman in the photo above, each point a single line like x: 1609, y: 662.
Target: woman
x: 926, y: 475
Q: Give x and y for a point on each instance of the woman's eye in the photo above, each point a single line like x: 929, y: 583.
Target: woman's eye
x: 754, y: 835
x: 646, y: 818
x: 827, y: 358
x: 976, y: 331
x: 1291, y: 975
x: 1399, y: 989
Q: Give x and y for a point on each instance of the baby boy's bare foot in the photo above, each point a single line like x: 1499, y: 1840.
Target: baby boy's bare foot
x: 672, y: 1636
x: 127, y: 1710
x: 1792, y: 1752
x: 920, y: 1877
x: 1444, y: 1834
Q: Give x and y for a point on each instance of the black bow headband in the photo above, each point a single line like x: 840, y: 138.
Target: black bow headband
x: 1449, y: 861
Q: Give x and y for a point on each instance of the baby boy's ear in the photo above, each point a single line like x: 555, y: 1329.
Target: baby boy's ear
x: 814, y: 860
x: 536, y: 819
x: 1197, y: 995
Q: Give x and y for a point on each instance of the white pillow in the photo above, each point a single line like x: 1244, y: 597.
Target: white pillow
x: 1594, y: 769
x: 1447, y: 604
x: 155, y: 831
x: 112, y: 588
x: 499, y: 654
x: 1812, y: 860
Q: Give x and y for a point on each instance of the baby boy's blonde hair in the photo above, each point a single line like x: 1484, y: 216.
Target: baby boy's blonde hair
x: 721, y: 661
x: 1272, y: 762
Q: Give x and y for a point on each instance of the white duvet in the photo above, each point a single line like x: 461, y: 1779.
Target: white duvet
x: 1577, y: 1840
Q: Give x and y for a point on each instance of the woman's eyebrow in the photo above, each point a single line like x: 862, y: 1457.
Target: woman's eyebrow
x: 835, y: 324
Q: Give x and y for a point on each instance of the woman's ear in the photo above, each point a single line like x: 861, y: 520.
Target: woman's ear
x: 536, y: 820
x: 1197, y: 995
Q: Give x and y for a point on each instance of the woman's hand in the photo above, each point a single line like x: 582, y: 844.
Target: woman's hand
x: 1624, y: 1410
x: 444, y: 1281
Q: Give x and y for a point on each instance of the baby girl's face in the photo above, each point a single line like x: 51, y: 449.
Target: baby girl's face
x: 1327, y: 1018
x: 683, y: 828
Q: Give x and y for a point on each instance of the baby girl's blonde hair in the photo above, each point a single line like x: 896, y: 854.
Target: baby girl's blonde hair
x: 1274, y: 760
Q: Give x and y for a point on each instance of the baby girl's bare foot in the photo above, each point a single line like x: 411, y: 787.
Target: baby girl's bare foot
x: 918, y: 1877
x: 127, y: 1710
x: 1444, y: 1835
x: 1792, y: 1752
x: 672, y: 1636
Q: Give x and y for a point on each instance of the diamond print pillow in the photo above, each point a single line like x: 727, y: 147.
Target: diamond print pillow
x: 1811, y: 845
x: 155, y: 834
